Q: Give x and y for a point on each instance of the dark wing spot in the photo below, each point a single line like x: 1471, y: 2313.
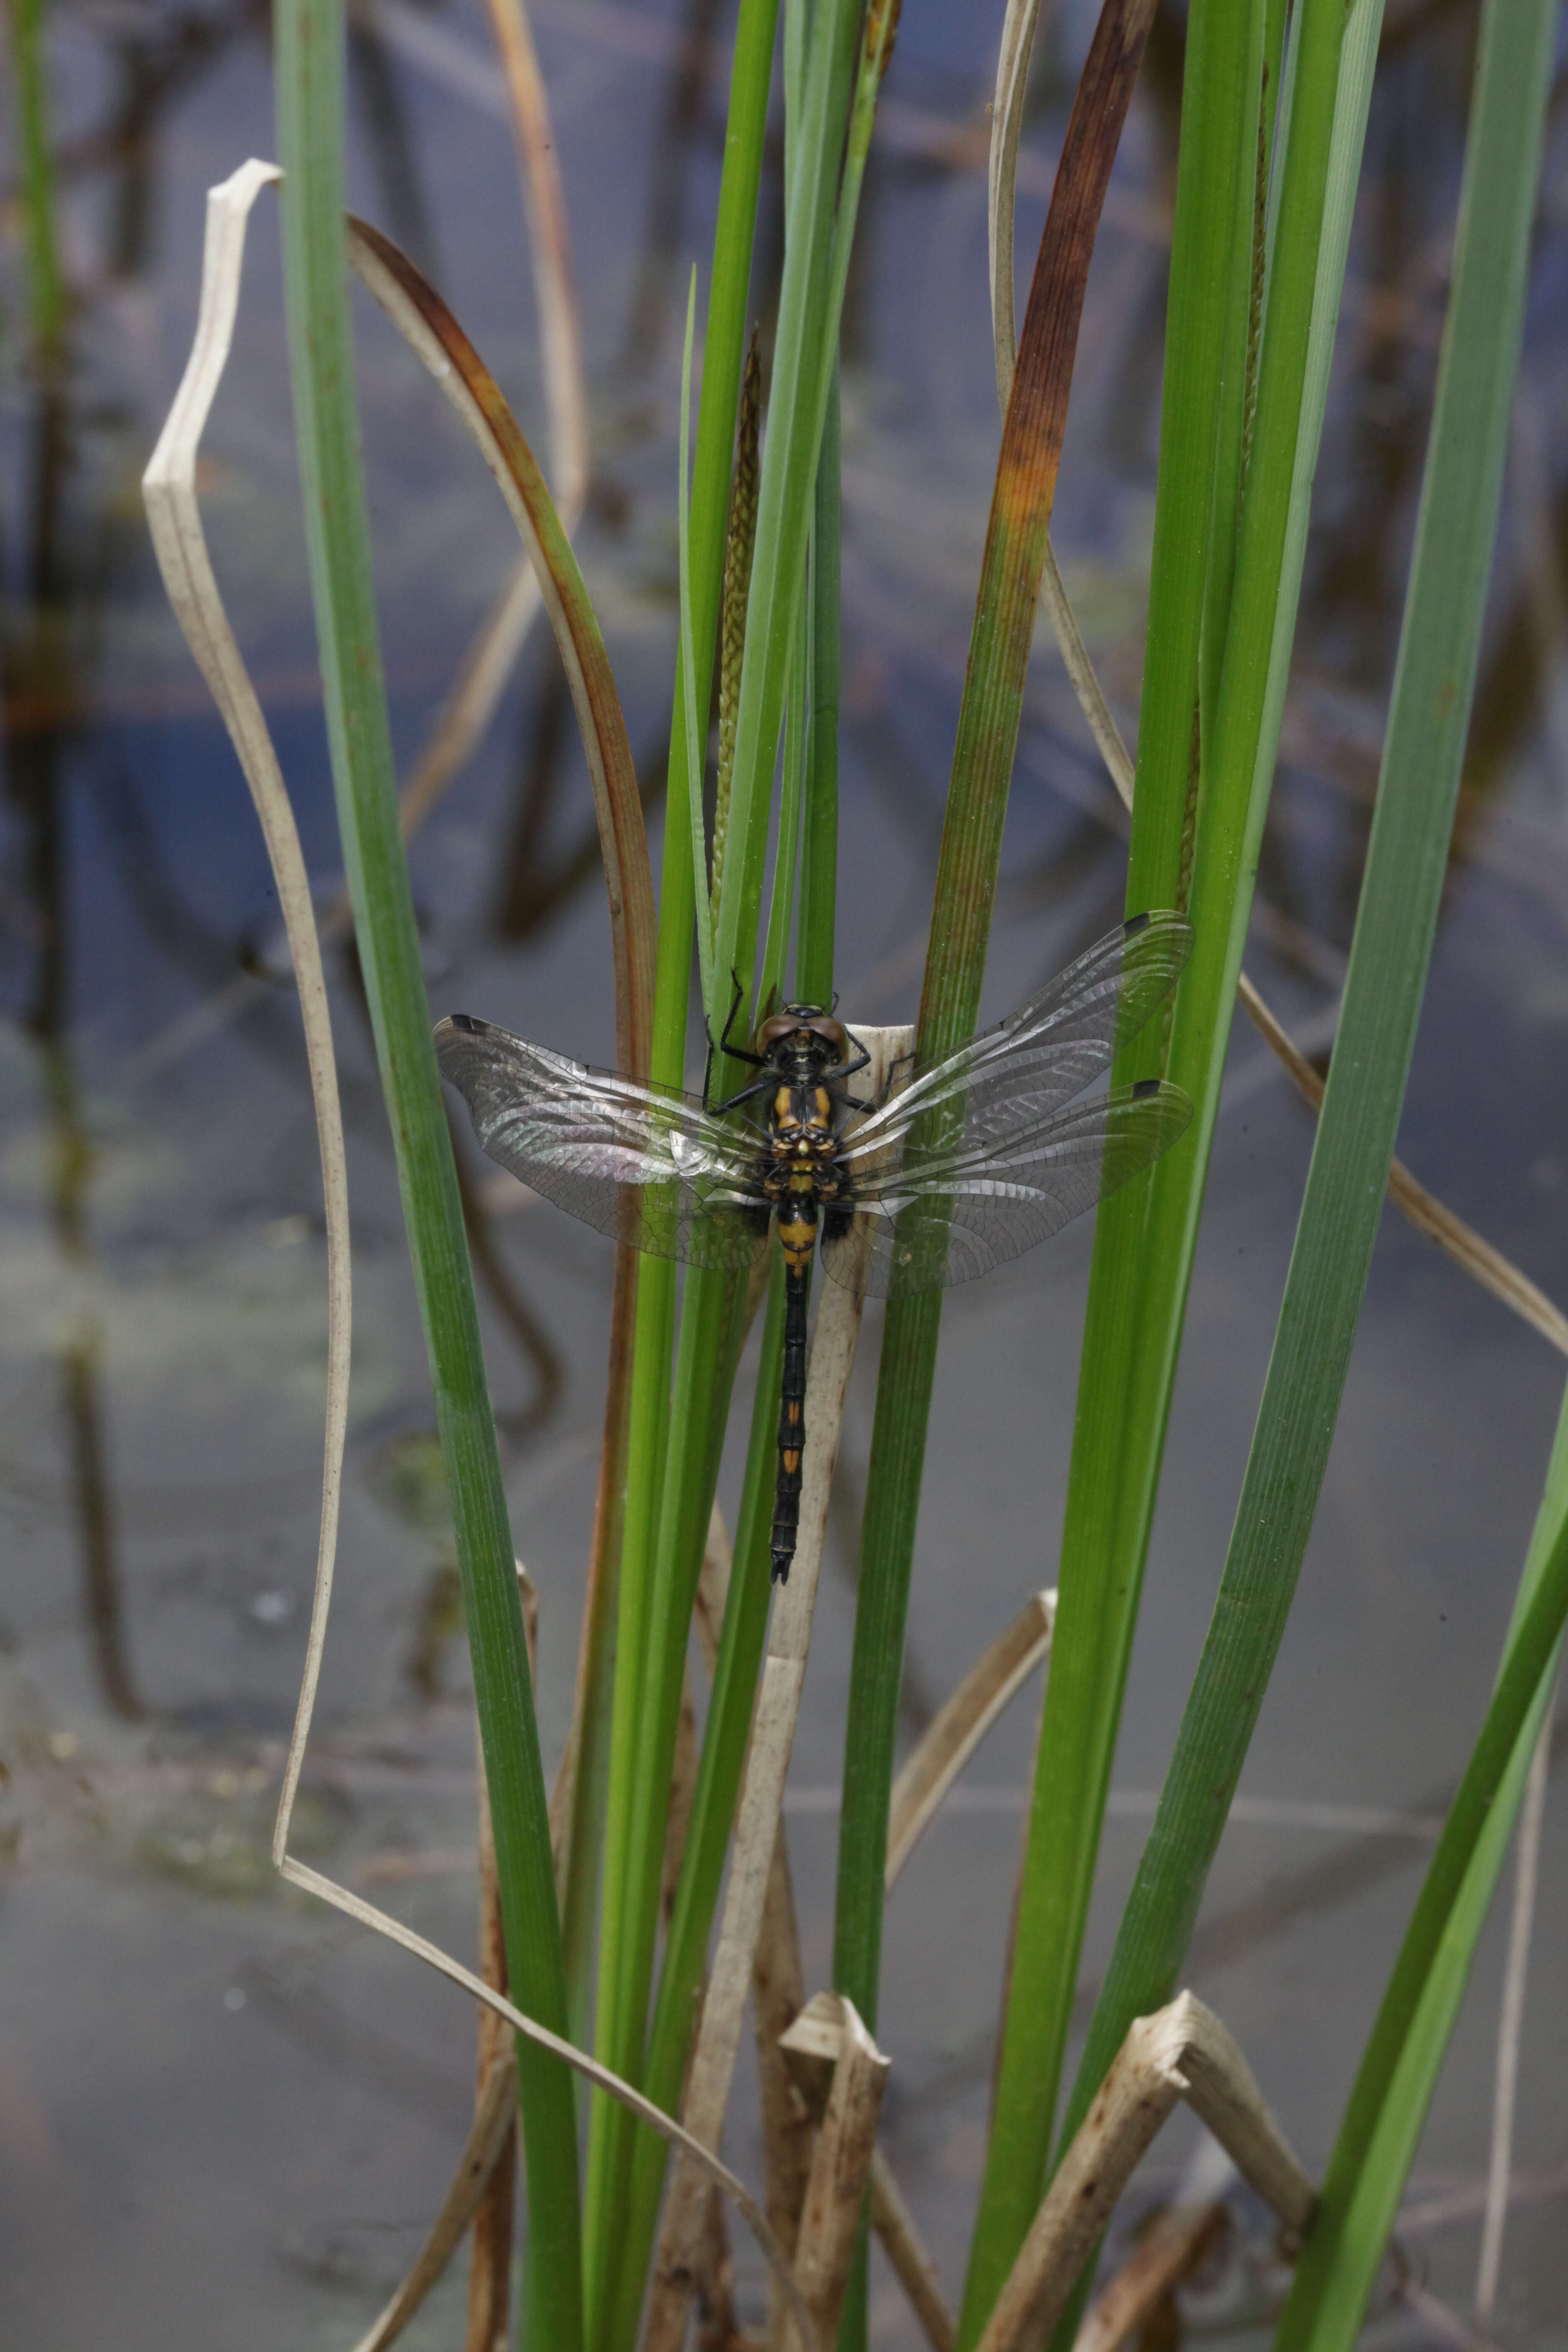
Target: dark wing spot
x: 465, y: 1021
x: 1133, y: 925
x: 1144, y: 1088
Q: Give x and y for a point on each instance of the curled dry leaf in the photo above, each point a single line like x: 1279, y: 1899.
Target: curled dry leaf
x: 173, y: 513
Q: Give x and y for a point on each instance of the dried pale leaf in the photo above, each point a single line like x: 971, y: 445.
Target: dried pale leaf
x: 841, y: 2164
x: 702, y: 2158
x: 174, y: 515
x: 682, y: 1788
x: 713, y: 2282
x: 959, y: 1727
x: 713, y: 1589
x: 1511, y: 2023
x: 811, y: 2048
x: 1167, y: 2251
x: 490, y: 2264
x: 761, y: 1804
x: 778, y: 1992
x: 1456, y: 1240
x: 544, y: 202
x: 488, y: 2141
x: 492, y: 656
x: 1182, y: 2051
x: 1018, y: 29
x: 480, y: 682
x: 911, y: 2264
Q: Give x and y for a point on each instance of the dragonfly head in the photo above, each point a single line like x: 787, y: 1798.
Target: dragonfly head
x: 805, y: 1033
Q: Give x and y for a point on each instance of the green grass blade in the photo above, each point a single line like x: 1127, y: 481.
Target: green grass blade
x: 46, y: 286
x: 966, y: 879
x: 1396, y: 925
x: 309, y: 36
x: 1366, y: 2178
x: 1216, y: 164
x: 806, y: 329
x: 619, y: 2020
x: 687, y: 673
x: 771, y: 981
x: 1146, y: 1233
x: 724, y: 1742
x: 804, y: 353
x: 819, y: 847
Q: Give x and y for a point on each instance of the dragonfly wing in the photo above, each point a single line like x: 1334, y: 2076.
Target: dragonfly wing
x: 1052, y: 1047
x: 646, y: 1165
x: 949, y: 1216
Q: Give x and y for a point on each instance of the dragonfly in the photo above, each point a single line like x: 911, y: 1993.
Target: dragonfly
x: 936, y: 1180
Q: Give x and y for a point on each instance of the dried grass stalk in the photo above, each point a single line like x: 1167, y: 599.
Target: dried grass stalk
x: 811, y: 2050
x: 767, y: 1766
x: 912, y: 2266
x: 959, y: 1727
x: 778, y: 1995
x: 173, y: 514
x: 489, y: 2139
x: 713, y: 2282
x: 1511, y: 2023
x: 1456, y: 1240
x: 1018, y: 29
x: 841, y: 2164
x: 1182, y: 2051
x: 682, y: 1788
x: 489, y: 2262
x: 778, y: 1991
x: 492, y: 656
x: 1168, y: 2252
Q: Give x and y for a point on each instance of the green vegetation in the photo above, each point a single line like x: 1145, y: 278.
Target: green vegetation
x: 1273, y: 127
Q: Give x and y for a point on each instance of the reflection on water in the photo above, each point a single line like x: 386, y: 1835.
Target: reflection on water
x: 235, y: 2101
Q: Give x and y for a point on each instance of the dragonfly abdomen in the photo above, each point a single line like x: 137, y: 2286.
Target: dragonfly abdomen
x: 797, y: 1238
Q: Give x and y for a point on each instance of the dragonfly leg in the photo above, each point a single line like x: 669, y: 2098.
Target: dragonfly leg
x: 736, y: 1053
x: 849, y: 1069
x: 894, y: 1074
x: 732, y: 1102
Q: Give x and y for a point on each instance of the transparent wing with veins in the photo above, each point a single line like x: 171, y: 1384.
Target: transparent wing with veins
x: 646, y: 1165
x: 987, y: 1154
